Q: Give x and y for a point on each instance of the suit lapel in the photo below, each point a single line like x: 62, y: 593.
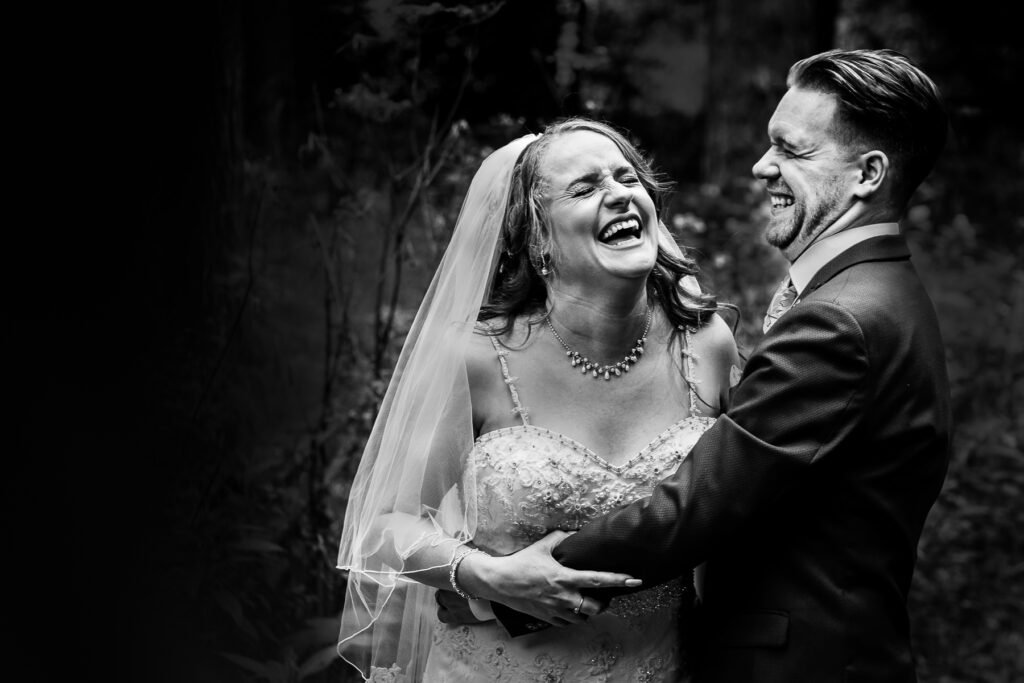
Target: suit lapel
x: 882, y: 248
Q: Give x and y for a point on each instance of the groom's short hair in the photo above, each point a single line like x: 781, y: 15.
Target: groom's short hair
x: 884, y: 101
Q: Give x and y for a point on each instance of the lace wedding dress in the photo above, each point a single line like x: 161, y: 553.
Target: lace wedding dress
x: 530, y: 480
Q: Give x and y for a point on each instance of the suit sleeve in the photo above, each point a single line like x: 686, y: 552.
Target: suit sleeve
x: 801, y: 394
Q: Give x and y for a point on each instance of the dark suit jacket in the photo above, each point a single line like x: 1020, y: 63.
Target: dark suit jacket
x: 807, y: 497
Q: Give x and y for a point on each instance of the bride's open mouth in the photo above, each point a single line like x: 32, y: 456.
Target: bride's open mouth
x: 623, y: 232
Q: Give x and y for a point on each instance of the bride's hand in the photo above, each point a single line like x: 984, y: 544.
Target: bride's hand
x: 531, y: 581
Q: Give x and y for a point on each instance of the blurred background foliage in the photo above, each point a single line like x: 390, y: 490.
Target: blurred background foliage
x: 306, y: 164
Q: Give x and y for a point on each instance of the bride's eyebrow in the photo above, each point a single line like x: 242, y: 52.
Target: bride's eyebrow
x: 591, y: 177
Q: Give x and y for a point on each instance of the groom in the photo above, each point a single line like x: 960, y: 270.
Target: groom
x: 807, y: 497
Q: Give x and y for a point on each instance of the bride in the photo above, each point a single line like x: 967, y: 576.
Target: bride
x: 563, y: 361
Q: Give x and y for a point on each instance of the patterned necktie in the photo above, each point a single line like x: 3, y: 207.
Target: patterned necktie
x: 783, y: 300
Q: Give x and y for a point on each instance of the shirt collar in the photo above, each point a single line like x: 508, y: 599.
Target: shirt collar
x: 821, y: 252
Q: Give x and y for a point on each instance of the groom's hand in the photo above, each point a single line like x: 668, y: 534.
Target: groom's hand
x: 531, y: 581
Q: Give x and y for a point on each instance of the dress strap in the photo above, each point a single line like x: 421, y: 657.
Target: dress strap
x: 517, y: 406
x: 690, y: 377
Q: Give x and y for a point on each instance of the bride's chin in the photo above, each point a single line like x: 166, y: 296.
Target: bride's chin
x: 641, y: 259
x: 633, y: 271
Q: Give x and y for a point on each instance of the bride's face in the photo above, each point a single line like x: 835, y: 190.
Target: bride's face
x: 603, y: 223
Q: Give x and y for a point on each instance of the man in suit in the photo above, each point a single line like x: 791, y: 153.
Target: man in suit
x: 807, y: 497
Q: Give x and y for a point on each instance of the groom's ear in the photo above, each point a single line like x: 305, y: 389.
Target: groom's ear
x: 873, y: 170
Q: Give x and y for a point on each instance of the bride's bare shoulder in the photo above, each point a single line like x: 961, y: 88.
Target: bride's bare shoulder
x: 486, y: 374
x: 490, y: 340
x: 720, y: 363
x: 716, y: 336
x: 480, y: 351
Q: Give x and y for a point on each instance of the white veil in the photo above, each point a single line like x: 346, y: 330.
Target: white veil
x: 411, y: 466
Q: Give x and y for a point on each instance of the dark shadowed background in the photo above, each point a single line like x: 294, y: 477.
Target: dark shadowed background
x: 241, y: 204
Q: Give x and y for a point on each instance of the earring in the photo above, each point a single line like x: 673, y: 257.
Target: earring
x: 542, y: 267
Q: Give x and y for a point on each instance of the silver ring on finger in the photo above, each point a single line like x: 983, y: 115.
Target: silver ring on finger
x: 577, y: 608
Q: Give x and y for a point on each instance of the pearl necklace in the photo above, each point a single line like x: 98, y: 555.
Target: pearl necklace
x: 576, y: 359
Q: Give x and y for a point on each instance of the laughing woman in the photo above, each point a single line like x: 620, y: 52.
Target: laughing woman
x: 562, y: 363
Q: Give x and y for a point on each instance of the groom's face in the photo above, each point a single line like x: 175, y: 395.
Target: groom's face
x: 807, y: 170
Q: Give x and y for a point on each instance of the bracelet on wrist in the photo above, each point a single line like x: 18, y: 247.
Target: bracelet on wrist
x: 454, y: 567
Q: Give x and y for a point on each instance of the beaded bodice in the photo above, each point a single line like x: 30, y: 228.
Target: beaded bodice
x: 530, y: 480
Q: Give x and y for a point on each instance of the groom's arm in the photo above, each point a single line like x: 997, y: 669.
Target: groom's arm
x: 801, y: 394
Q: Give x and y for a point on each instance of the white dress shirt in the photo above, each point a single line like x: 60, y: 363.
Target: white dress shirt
x: 814, y: 258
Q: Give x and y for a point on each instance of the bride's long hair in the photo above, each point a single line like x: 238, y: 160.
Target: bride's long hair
x: 518, y: 287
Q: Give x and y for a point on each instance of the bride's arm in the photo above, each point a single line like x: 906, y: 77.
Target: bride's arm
x: 412, y: 519
x: 510, y: 579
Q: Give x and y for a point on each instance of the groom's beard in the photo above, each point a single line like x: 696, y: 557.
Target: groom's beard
x: 805, y: 219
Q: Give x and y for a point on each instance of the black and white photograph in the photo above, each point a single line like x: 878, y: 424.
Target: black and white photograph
x: 414, y: 341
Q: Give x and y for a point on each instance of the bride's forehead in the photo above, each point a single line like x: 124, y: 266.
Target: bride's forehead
x: 580, y: 152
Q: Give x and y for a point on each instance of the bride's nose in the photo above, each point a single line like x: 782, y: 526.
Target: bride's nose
x: 616, y: 194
